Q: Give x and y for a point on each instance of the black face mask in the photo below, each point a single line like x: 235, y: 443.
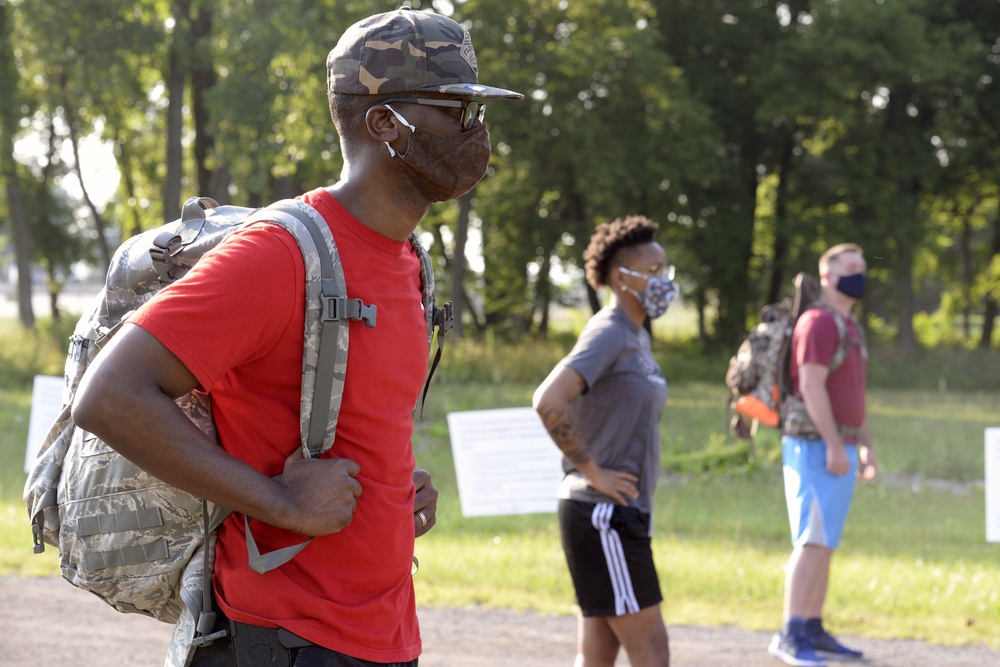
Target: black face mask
x: 443, y: 166
x: 852, y: 285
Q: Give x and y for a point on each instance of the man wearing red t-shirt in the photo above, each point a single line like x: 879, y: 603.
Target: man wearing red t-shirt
x: 820, y: 471
x: 408, y: 108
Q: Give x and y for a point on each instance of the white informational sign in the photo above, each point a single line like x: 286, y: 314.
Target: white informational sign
x: 505, y: 462
x: 46, y: 401
x: 993, y: 485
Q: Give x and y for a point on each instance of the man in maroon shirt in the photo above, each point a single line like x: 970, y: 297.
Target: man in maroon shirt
x: 829, y: 371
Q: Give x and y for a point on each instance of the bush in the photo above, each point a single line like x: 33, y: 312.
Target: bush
x: 691, y: 362
x: 720, y: 454
x: 24, y: 354
x: 488, y: 359
x: 27, y: 353
x: 942, y: 368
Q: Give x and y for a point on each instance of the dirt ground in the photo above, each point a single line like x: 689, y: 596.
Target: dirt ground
x: 48, y: 622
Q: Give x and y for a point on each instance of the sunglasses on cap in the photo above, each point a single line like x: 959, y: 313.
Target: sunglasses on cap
x: 472, y: 110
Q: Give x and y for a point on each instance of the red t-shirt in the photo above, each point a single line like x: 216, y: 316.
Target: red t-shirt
x: 815, y: 340
x: 236, y: 322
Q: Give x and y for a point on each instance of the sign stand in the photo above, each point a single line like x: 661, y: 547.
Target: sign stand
x: 992, y: 484
x: 505, y: 462
x: 46, y: 402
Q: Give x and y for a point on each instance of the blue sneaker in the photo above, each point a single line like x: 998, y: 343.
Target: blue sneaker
x: 827, y: 645
x: 794, y: 650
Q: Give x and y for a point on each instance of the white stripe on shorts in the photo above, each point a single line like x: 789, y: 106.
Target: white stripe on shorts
x: 814, y: 531
x: 614, y: 556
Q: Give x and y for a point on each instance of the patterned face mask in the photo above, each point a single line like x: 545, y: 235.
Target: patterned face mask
x: 443, y: 166
x: 659, y: 292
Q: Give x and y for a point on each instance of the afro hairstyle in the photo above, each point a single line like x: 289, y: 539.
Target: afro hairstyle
x: 610, y: 238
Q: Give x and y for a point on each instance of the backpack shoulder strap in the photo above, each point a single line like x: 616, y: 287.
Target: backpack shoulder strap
x: 324, y: 355
x: 328, y: 311
x: 843, y: 341
x: 846, y: 339
x: 804, y: 291
x: 440, y: 320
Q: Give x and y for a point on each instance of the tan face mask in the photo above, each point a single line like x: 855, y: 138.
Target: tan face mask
x: 443, y: 166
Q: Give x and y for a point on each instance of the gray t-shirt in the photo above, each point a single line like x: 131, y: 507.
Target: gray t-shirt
x: 618, y: 415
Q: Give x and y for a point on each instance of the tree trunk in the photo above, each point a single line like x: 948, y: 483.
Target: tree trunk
x: 701, y: 303
x: 22, y: 243
x: 134, y: 225
x: 218, y: 187
x: 457, y: 268
x: 174, y: 79
x: 457, y: 293
x: 282, y: 187
x: 9, y: 115
x: 906, y: 242
x: 965, y: 257
x: 593, y: 299
x: 992, y: 309
x: 906, y: 337
x: 734, y: 286
x: 779, y: 250
x: 174, y: 157
x: 439, y: 242
x: 544, y: 293
x: 480, y: 322
x: 74, y: 140
x: 203, y: 78
x: 990, y: 313
x: 54, y: 289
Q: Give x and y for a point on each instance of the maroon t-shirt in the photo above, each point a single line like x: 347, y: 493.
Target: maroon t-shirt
x: 815, y: 340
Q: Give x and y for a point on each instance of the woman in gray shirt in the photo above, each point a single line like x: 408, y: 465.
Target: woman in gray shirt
x: 602, y: 405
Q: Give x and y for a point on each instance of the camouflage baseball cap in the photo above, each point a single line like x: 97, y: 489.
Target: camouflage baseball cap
x: 406, y: 51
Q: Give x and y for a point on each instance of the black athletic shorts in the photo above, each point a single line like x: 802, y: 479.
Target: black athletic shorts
x: 610, y: 557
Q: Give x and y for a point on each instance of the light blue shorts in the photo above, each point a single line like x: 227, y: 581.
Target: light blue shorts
x: 817, y: 500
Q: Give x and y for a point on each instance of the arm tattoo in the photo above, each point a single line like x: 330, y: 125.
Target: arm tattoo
x: 557, y: 422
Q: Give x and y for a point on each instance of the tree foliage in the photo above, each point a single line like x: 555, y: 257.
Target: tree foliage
x: 756, y: 133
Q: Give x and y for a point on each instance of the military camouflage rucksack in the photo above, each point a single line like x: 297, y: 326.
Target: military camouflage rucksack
x: 758, y: 375
x: 144, y: 546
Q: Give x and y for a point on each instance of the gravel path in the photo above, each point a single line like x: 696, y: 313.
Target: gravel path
x: 47, y: 622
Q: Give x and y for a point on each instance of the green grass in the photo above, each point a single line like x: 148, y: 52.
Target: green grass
x: 914, y: 562
x: 16, y: 555
x: 24, y: 354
